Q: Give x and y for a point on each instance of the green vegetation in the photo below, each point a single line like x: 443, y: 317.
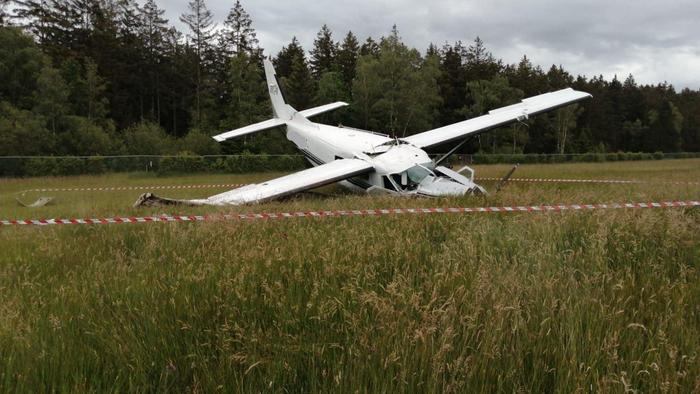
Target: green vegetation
x: 107, y: 77
x: 590, y: 301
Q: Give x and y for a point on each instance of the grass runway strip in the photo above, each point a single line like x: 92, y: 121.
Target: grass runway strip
x: 234, y: 185
x: 343, y: 213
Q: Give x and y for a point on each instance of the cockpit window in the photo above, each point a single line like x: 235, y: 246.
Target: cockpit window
x: 417, y: 173
x: 409, y: 179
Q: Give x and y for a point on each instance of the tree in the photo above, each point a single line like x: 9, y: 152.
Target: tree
x: 565, y: 121
x: 298, y: 87
x: 153, y: 28
x: 490, y: 94
x: 21, y: 61
x: 452, y: 83
x: 84, y: 137
x: 97, y: 104
x: 199, y: 143
x: 248, y: 102
x: 147, y: 139
x: 369, y: 48
x: 294, y: 75
x: 346, y: 59
x: 323, y: 53
x: 23, y: 133
x: 479, y: 62
x: 366, y: 91
x: 689, y: 106
x: 238, y: 34
x: 200, y: 22
x: 331, y: 88
x: 284, y: 59
x: 51, y: 96
x: 665, y: 128
x: 398, y: 90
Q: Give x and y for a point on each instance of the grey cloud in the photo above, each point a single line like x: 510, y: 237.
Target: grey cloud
x: 656, y: 41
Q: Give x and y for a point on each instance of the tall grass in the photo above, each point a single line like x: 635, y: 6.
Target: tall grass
x: 591, y: 301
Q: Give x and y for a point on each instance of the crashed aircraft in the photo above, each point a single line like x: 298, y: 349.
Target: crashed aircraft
x: 366, y: 161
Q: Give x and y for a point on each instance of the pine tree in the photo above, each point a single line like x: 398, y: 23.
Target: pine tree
x: 369, y: 48
x: 432, y: 50
x: 398, y: 90
x: 248, y: 92
x: 689, y: 106
x: 665, y: 128
x: 346, y: 59
x: 298, y: 87
x: 286, y: 57
x: 452, y: 83
x: 200, y: 22
x: 98, y: 105
x: 153, y: 28
x: 479, y: 62
x: 238, y: 35
x: 323, y: 53
x: 331, y: 88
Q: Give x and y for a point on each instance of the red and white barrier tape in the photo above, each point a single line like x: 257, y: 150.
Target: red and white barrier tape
x: 340, y: 213
x: 615, y: 181
x: 125, y: 188
x: 234, y: 185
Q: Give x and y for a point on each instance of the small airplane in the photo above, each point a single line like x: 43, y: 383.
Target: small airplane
x: 367, y: 161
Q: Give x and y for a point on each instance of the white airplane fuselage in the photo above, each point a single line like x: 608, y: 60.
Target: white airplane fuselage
x: 367, y: 161
x: 399, y: 167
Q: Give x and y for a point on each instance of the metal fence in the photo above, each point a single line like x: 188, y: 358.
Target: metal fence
x: 19, y: 166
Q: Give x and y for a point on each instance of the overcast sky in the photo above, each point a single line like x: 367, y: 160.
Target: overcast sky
x: 654, y: 40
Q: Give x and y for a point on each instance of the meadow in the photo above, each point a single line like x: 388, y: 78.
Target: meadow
x: 549, y: 302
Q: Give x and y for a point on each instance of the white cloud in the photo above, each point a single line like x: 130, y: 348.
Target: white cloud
x: 655, y: 41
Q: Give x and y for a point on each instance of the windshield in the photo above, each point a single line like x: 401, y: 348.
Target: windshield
x: 417, y: 173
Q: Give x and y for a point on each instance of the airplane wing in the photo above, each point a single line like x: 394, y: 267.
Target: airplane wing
x: 498, y: 117
x: 324, y: 174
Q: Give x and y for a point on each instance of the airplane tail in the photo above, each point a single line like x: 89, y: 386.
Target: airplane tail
x: 280, y: 108
x: 283, y: 112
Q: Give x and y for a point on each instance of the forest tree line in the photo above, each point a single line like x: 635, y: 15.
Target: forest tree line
x: 101, y: 77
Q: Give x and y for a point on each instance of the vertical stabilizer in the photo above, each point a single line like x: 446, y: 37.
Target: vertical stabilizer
x: 280, y: 109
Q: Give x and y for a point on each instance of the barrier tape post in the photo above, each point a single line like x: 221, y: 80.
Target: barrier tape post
x: 344, y: 213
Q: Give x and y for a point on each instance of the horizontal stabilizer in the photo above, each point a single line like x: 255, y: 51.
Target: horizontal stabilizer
x: 324, y: 108
x: 254, y: 128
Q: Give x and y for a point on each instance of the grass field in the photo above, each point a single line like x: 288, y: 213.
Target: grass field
x: 574, y: 301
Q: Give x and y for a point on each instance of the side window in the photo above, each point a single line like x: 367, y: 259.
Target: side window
x: 388, y: 184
